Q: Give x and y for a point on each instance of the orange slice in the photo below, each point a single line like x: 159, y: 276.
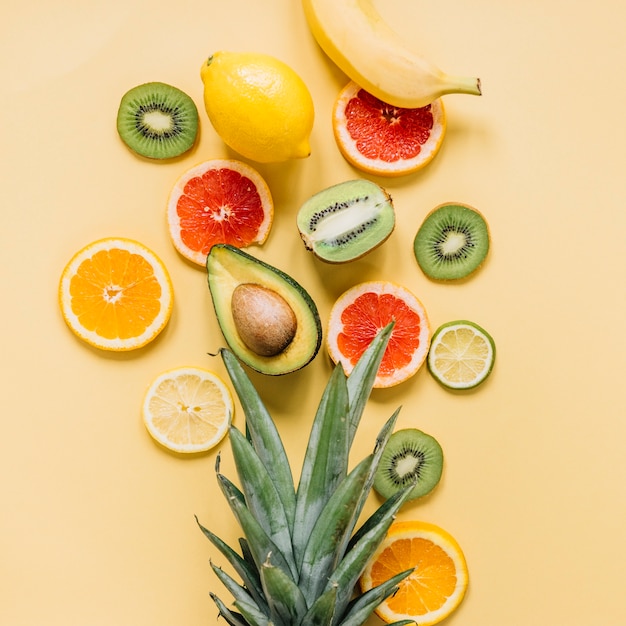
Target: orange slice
x: 219, y: 201
x: 381, y: 139
x: 116, y: 294
x: 436, y: 586
x: 188, y: 409
x: 362, y: 311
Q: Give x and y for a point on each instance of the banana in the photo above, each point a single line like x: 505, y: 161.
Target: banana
x: 357, y: 39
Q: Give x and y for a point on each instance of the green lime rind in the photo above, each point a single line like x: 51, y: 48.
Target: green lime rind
x: 430, y: 360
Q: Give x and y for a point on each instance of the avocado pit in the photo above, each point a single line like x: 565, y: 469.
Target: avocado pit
x: 264, y: 320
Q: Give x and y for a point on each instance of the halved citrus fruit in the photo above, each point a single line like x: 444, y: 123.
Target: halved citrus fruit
x: 439, y: 579
x: 116, y: 294
x: 362, y: 312
x: 462, y: 354
x: 219, y: 201
x: 188, y: 409
x: 381, y: 139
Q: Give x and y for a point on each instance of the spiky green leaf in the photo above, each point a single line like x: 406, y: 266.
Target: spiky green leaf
x: 262, y: 498
x: 263, y: 433
x: 363, y: 606
x: 326, y: 459
x: 361, y: 379
x: 233, y: 618
x: 239, y: 592
x: 286, y: 602
x: 245, y: 569
x: 260, y: 543
x: 331, y: 532
x: 322, y: 611
x: 253, y: 616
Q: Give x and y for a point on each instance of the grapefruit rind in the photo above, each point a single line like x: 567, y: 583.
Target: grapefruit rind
x: 336, y: 327
x: 93, y: 338
x: 348, y: 146
x: 173, y: 218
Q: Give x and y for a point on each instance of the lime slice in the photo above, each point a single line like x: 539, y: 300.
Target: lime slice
x: 188, y: 409
x: 461, y: 354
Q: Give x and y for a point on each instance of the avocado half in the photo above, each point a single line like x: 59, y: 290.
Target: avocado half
x: 229, y: 267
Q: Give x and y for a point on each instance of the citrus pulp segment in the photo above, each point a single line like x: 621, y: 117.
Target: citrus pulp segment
x: 219, y: 201
x: 462, y: 354
x: 116, y: 294
x: 188, y: 409
x: 363, y: 311
x: 385, y: 140
x: 438, y: 583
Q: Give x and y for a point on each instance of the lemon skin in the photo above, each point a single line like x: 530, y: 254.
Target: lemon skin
x: 258, y: 105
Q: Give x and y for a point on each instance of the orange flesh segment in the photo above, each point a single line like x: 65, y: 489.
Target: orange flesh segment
x: 115, y: 294
x: 428, y: 587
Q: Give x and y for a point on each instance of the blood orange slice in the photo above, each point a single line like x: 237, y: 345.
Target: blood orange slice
x: 381, y: 139
x: 219, y: 201
x: 365, y: 309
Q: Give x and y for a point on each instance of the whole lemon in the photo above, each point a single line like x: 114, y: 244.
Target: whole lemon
x: 258, y: 105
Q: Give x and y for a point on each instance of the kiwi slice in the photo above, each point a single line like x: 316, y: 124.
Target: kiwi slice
x: 346, y: 221
x: 410, y: 456
x: 157, y: 120
x: 452, y: 242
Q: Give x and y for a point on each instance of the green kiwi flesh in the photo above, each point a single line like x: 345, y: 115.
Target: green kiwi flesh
x: 157, y: 121
x: 410, y: 456
x: 346, y: 221
x: 452, y: 242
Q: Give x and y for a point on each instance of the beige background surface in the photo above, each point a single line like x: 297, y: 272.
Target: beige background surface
x: 97, y: 524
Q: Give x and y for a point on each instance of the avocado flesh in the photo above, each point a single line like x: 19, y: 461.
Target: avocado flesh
x: 228, y: 267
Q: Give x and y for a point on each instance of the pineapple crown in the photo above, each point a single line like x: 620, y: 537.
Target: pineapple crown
x: 302, y: 555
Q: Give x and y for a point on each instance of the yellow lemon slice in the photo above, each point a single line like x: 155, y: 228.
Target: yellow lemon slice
x: 116, y: 294
x: 188, y: 409
x: 439, y: 579
x: 462, y: 354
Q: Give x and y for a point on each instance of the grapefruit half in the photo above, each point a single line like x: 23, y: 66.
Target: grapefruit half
x: 381, y: 139
x: 362, y: 312
x: 219, y: 201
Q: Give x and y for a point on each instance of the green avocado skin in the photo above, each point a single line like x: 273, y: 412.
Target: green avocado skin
x: 227, y: 267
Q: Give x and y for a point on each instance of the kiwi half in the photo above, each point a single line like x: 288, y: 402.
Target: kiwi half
x: 346, y: 221
x: 452, y: 242
x: 410, y: 456
x: 157, y: 121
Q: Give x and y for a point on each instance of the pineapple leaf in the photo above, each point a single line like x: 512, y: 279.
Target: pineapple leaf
x: 262, y: 431
x: 234, y: 619
x: 331, y: 531
x: 322, y: 611
x: 260, y: 544
x: 246, y: 571
x: 362, y: 607
x: 362, y: 377
x: 326, y: 459
x: 286, y: 602
x: 351, y: 567
x: 238, y: 591
x: 260, y: 494
x: 253, y: 616
x: 381, y: 441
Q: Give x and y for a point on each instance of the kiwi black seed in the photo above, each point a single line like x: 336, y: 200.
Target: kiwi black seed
x: 452, y: 242
x: 157, y: 121
x: 346, y: 221
x: 410, y: 456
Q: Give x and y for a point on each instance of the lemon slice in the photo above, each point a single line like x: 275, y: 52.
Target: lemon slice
x: 461, y: 354
x: 188, y: 409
